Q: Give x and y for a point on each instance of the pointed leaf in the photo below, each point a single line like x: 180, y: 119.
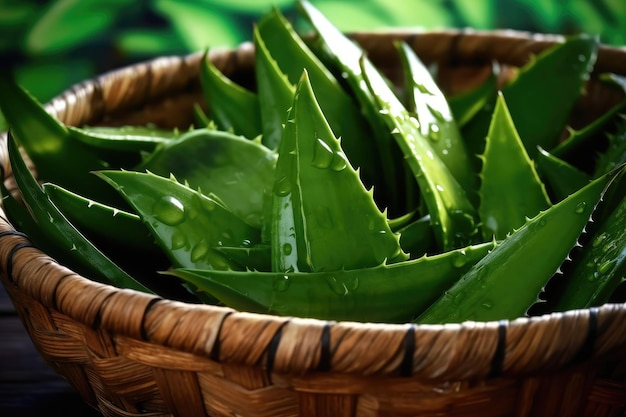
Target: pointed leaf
x: 506, y: 282
x: 560, y: 177
x: 505, y: 165
x: 358, y: 295
x: 232, y: 106
x: 292, y: 55
x: 324, y: 219
x: 74, y: 249
x: 274, y: 91
x: 452, y: 214
x: 187, y: 225
x: 427, y: 102
x: 600, y: 268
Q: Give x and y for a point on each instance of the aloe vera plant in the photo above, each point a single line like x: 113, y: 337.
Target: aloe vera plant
x: 322, y: 190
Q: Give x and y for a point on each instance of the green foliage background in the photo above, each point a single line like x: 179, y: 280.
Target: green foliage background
x: 53, y: 44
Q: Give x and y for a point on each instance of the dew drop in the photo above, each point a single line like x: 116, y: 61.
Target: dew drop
x: 439, y: 187
x: 339, y: 162
x: 580, y: 207
x: 322, y: 154
x: 337, y: 287
x: 169, y: 210
x: 246, y: 243
x: 199, y: 251
x: 281, y: 283
x: 460, y: 260
x: 282, y: 187
x: 433, y: 132
x: 383, y: 111
x: 287, y: 248
x: 179, y: 240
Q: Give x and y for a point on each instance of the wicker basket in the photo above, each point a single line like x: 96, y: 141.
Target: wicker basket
x: 132, y: 354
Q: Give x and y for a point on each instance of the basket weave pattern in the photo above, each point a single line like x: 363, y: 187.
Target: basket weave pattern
x: 132, y: 354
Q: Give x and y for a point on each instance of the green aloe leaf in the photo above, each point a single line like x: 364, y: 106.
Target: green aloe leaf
x: 417, y: 238
x: 49, y: 144
x: 600, y: 268
x: 464, y: 106
x: 345, y: 56
x: 236, y: 169
x: 123, y: 138
x: 358, y: 295
x: 59, y: 236
x: 231, y: 106
x: 506, y: 164
x: 255, y: 258
x: 578, y: 138
x: 453, y: 216
x: 323, y: 218
x: 550, y: 84
x: 615, y: 154
x: 436, y: 122
x: 187, y: 224
x: 102, y: 223
x: 506, y: 282
x: 274, y: 91
x: 561, y: 178
x: 292, y: 55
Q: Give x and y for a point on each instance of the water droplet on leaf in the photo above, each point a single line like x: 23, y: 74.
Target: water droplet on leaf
x: 169, y: 210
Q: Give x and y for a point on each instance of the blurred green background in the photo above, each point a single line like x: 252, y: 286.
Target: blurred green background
x: 54, y: 44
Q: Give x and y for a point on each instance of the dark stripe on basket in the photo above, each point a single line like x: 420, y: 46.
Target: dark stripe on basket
x: 497, y: 362
x: 324, y: 364
x: 272, y: 348
x: 13, y: 233
x: 9, y: 268
x: 215, y: 350
x: 586, y: 349
x: 144, y: 335
x: 406, y: 366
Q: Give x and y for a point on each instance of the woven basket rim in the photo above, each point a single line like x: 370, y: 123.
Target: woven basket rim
x: 578, y: 335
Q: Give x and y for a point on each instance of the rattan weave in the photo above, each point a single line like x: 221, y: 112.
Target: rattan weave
x: 132, y: 354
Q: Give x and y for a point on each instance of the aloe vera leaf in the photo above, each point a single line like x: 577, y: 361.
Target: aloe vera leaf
x: 600, y: 268
x: 615, y: 154
x: 436, y: 122
x: 323, y: 218
x: 550, y: 85
x: 255, y: 258
x: 346, y: 57
x: 561, y: 178
x: 231, y: 106
x: 358, y: 295
x: 274, y: 91
x: 236, y: 169
x: 464, y: 106
x: 417, y: 238
x: 201, y: 120
x: 453, y: 216
x: 506, y: 282
x: 100, y: 222
x: 399, y: 222
x: 186, y: 224
x: 578, y: 137
x: 506, y: 164
x: 292, y: 55
x: 76, y: 251
x: 122, y: 140
x: 49, y: 145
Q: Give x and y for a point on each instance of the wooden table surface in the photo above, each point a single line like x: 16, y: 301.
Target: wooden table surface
x: 28, y: 387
